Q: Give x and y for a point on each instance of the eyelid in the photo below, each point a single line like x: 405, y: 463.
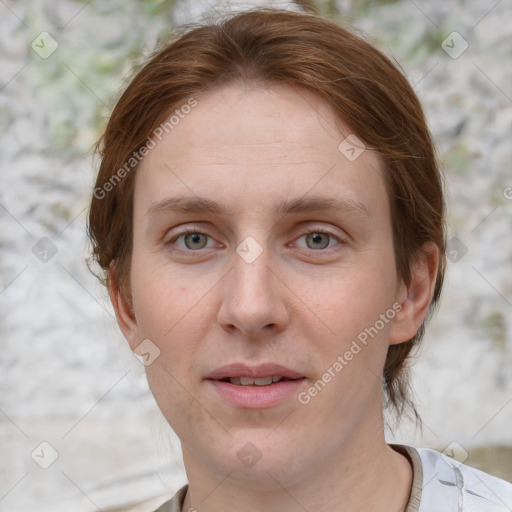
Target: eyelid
x: 309, y: 231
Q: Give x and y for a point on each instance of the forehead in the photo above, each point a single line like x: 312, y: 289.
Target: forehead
x: 249, y: 145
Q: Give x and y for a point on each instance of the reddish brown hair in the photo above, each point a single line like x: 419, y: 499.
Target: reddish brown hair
x: 364, y: 89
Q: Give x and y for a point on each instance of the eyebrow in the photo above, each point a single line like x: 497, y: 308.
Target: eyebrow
x: 306, y: 204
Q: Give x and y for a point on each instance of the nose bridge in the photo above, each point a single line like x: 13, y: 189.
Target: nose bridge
x: 252, y: 276
x: 252, y: 298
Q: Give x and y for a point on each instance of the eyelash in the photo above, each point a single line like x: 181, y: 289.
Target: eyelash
x: 196, y: 231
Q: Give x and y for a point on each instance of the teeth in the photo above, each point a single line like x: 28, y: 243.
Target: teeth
x: 249, y: 381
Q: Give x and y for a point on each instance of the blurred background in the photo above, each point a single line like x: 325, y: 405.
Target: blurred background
x: 79, y: 429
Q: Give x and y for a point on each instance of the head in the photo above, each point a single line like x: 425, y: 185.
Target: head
x: 274, y: 116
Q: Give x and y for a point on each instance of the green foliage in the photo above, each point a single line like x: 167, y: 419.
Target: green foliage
x: 154, y: 8
x: 80, y: 82
x: 458, y: 159
x: 353, y: 10
x: 494, y: 327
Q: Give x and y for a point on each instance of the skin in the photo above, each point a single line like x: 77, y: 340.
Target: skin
x: 300, y: 303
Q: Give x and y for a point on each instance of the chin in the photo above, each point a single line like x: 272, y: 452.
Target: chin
x: 257, y: 460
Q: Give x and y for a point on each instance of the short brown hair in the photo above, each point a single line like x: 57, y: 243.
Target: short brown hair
x: 365, y: 90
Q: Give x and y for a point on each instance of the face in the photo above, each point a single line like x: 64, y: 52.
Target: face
x: 288, y: 261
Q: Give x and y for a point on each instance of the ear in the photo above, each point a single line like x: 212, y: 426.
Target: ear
x: 123, y: 309
x: 415, y: 299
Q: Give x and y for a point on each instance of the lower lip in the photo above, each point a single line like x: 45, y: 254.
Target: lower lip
x: 256, y: 397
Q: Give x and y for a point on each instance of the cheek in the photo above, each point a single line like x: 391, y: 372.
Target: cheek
x: 170, y: 316
x: 165, y: 298
x: 352, y: 353
x: 352, y: 298
x: 356, y: 310
x: 178, y: 401
x: 170, y: 311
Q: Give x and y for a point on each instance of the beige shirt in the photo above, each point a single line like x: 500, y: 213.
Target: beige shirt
x: 176, y: 503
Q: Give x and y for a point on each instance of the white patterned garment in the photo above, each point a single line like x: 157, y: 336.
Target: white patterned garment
x: 440, y: 484
x: 449, y: 486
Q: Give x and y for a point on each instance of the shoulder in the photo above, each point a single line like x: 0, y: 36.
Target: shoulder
x: 448, y: 485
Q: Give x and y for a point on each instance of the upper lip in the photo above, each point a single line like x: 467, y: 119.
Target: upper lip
x: 262, y: 370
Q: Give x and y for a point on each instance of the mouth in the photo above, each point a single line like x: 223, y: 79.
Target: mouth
x: 255, y: 387
x: 242, y: 374
x: 259, y: 382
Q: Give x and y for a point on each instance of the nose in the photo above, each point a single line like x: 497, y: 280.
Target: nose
x: 254, y: 298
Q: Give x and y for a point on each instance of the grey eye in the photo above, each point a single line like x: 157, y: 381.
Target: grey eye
x: 195, y: 240
x: 316, y: 240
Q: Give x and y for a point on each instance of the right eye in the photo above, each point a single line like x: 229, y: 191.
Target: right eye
x: 193, y: 240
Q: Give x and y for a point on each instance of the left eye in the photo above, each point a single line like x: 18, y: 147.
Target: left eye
x: 319, y: 239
